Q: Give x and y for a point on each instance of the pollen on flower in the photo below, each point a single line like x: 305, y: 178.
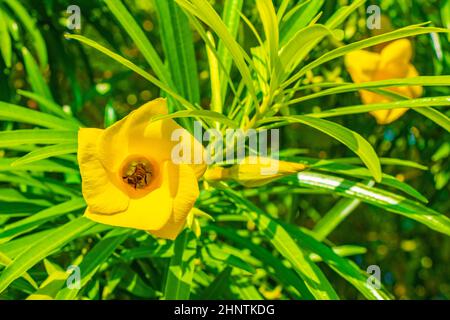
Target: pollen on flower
x: 138, y: 174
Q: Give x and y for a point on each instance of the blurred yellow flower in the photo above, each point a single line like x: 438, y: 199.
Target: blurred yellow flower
x: 128, y: 177
x: 393, y: 62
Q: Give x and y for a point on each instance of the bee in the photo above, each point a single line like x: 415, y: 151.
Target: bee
x: 138, y: 175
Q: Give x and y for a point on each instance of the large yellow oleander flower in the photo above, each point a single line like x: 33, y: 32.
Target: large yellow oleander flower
x: 393, y: 62
x: 129, y: 178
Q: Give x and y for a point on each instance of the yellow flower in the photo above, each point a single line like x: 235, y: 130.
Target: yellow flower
x: 393, y: 62
x: 129, y: 178
x: 255, y: 171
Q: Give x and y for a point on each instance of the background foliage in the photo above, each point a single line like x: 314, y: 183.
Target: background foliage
x: 254, y: 248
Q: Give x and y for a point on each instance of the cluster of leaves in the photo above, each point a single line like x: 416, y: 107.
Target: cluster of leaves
x: 253, y: 249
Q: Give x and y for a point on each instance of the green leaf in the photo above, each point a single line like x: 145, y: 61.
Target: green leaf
x: 37, y: 166
x: 154, y: 251
x: 32, y: 29
x: 245, y: 290
x: 15, y: 247
x: 230, y: 17
x: 342, y: 13
x: 413, y: 103
x: 5, y: 40
x: 110, y: 115
x: 413, y: 81
x: 224, y: 255
x: 18, y: 210
x: 377, y: 197
x: 203, y: 114
x: 34, y: 75
x: 6, y: 261
x: 340, y: 211
x: 218, y: 286
x: 42, y: 248
x: 178, y: 47
x: 385, y: 161
x: 358, y: 172
x: 94, y: 259
x: 205, y: 12
x: 344, y: 267
x: 12, y: 112
x: 36, y: 136
x: 46, y: 152
x: 293, y: 52
x: 133, y: 283
x: 351, y: 139
x: 298, y: 18
x: 435, y: 116
x: 270, y: 24
x: 48, y: 186
x: 341, y: 51
x: 313, y: 277
x: 216, y: 99
x: 12, y: 195
x: 432, y: 114
x: 181, y: 268
x: 342, y: 251
x: 285, y: 275
x: 24, y: 225
x: 445, y: 14
x: 132, y: 67
x: 50, y: 286
x: 140, y: 40
x: 48, y: 105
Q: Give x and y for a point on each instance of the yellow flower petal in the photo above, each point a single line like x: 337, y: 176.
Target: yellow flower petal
x: 99, y: 192
x: 114, y: 143
x: 393, y: 62
x: 416, y: 91
x: 130, y: 178
x: 187, y: 193
x: 135, y: 134
x: 388, y: 116
x: 361, y: 65
x: 397, y: 55
x: 170, y: 231
x: 150, y: 212
x: 369, y: 97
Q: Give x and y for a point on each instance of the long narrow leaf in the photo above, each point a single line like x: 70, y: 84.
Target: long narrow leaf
x: 377, y: 197
x: 148, y: 51
x: 178, y: 47
x: 46, y: 152
x: 42, y: 249
x: 12, y: 112
x: 313, y: 277
x: 42, y: 136
x: 181, y: 269
x: 351, y: 139
x: 94, y: 259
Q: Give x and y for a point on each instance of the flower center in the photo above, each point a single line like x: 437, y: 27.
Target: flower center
x: 138, y: 173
